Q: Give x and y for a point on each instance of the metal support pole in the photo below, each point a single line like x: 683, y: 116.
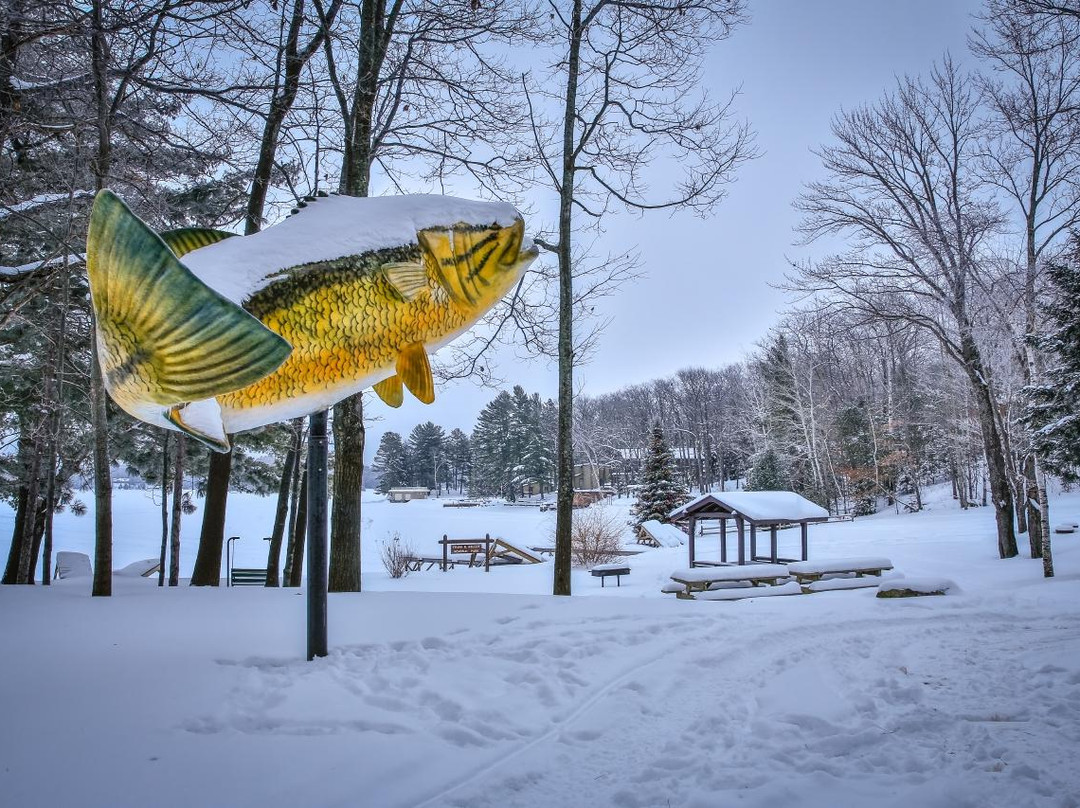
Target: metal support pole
x: 316, y: 541
x: 228, y: 559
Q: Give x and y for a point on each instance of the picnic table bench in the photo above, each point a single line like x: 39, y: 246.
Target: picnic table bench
x: 699, y: 579
x: 602, y: 571
x: 247, y: 576
x: 806, y: 572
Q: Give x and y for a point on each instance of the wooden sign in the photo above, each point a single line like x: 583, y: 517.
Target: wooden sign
x: 466, y: 548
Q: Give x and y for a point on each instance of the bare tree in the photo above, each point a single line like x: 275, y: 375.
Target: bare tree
x: 624, y: 77
x: 420, y: 96
x: 903, y: 185
x: 1032, y: 156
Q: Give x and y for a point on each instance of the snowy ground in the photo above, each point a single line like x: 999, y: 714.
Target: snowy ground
x: 471, y: 689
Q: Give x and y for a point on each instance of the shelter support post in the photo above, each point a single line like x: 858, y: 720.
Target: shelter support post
x: 693, y: 536
x: 740, y: 524
x: 772, y: 542
x: 753, y: 541
x: 802, y: 530
x: 723, y: 541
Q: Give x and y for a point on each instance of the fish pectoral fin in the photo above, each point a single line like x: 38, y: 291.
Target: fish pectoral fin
x: 415, y: 372
x: 185, y: 239
x: 165, y: 337
x: 410, y: 279
x: 202, y: 421
x: 390, y: 390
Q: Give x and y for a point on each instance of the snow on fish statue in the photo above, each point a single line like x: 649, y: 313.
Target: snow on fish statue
x: 345, y: 294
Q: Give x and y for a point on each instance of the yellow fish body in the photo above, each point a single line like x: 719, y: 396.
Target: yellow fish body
x: 246, y: 331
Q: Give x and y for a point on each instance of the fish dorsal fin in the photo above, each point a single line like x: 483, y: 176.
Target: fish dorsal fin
x: 185, y: 239
x: 202, y: 421
x: 390, y: 391
x: 409, y: 278
x: 165, y: 337
x: 415, y: 372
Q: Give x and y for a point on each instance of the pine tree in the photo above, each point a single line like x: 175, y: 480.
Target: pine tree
x: 392, y: 462
x: 426, y: 443
x: 853, y: 434
x: 659, y: 494
x: 459, y: 457
x: 1053, y: 413
x: 493, y: 460
x: 766, y: 473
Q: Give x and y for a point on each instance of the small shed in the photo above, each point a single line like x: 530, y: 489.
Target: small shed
x: 407, y: 494
x: 756, y: 509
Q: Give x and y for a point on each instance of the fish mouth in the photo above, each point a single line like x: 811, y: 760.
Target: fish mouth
x: 477, y: 265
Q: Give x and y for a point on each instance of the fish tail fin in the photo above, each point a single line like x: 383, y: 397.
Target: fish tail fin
x: 164, y: 337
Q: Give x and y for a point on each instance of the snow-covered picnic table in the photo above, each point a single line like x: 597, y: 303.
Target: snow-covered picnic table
x: 809, y: 571
x: 699, y: 579
x: 602, y: 571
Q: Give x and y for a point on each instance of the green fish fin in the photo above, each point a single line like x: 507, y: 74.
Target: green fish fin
x: 410, y: 279
x: 202, y: 421
x: 390, y: 391
x: 185, y: 239
x: 415, y: 372
x: 165, y: 336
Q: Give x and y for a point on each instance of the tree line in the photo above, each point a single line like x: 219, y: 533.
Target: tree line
x: 511, y: 452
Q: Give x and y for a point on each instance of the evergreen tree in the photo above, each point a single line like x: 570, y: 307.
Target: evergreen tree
x: 426, y: 453
x: 766, y: 473
x: 853, y: 433
x: 659, y: 494
x: 392, y: 462
x: 1053, y: 412
x: 459, y: 458
x: 492, y: 442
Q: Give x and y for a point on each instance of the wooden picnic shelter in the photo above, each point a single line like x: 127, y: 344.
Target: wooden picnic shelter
x: 751, y: 511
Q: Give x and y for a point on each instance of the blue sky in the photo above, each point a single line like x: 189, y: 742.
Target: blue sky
x: 705, y: 298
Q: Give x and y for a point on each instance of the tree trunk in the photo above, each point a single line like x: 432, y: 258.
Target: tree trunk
x: 11, y: 569
x: 281, y: 514
x: 102, y: 162
x: 177, y: 499
x: 996, y: 462
x: 294, y: 507
x: 348, y: 488
x: 25, y: 573
x: 207, y: 570
x: 1044, y: 519
x: 102, y: 482
x: 295, y: 565
x: 164, y: 507
x: 564, y: 502
x: 1030, y: 506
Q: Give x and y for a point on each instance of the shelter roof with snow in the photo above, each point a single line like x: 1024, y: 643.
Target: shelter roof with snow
x: 782, y: 507
x: 756, y: 509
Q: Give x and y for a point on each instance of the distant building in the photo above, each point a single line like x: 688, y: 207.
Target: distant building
x: 407, y: 494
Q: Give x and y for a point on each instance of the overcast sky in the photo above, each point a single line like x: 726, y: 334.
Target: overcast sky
x: 705, y: 299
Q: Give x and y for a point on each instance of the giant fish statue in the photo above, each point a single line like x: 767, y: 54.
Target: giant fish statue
x: 345, y: 294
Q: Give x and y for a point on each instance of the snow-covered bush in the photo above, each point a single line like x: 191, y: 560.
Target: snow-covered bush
x: 595, y: 535
x: 395, y: 556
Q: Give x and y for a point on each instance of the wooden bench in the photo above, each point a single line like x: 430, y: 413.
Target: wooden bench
x: 247, y: 576
x: 806, y: 572
x: 603, y: 571
x: 699, y: 579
